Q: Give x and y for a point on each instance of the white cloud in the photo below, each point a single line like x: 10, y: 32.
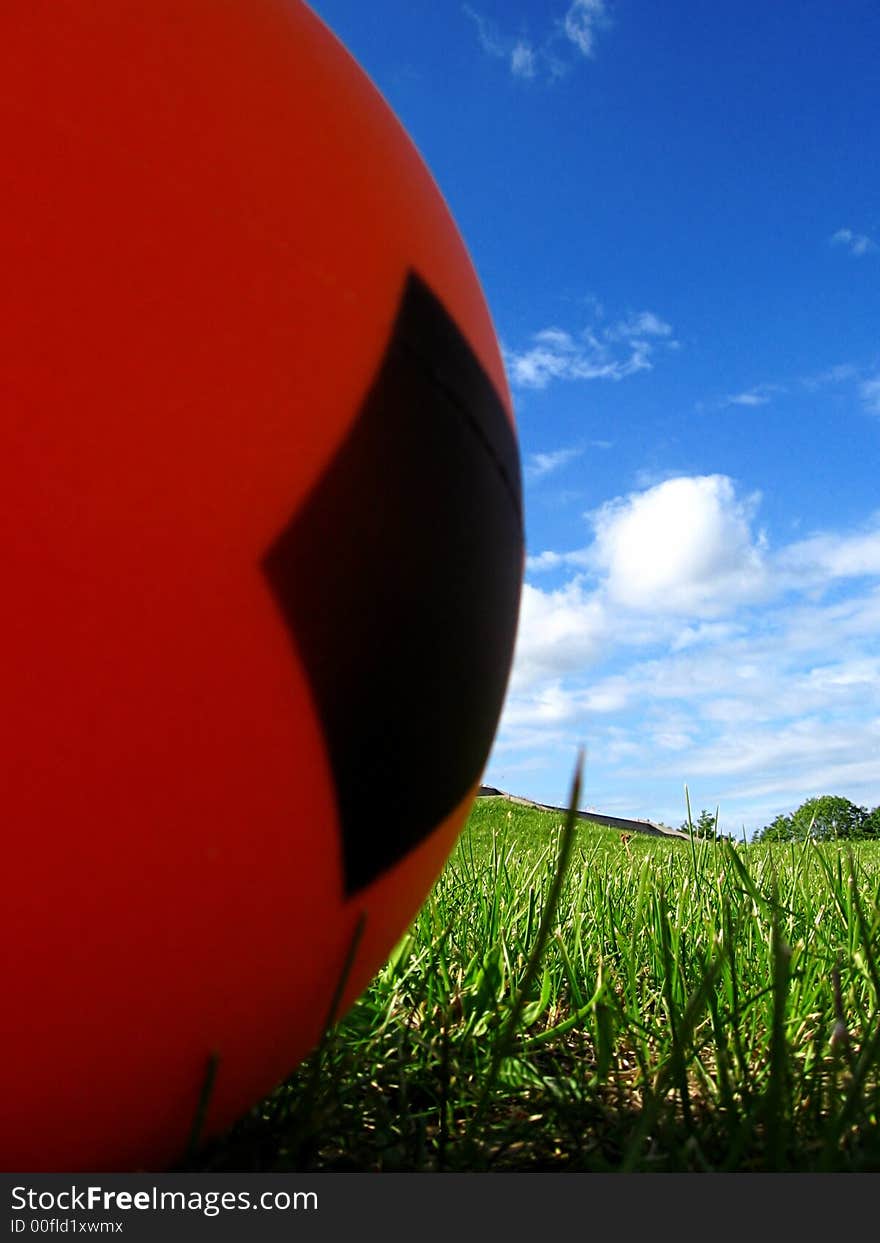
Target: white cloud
x: 754, y: 397
x: 683, y: 648
x: 811, y: 774
x: 869, y: 391
x: 597, y: 353
x: 787, y: 750
x: 557, y: 356
x: 832, y: 375
x: 578, y: 558
x: 580, y: 23
x: 684, y: 546
x: 685, y: 550
x: 762, y: 394
x: 490, y: 40
x: 544, y: 561
x: 857, y: 244
x: 575, y: 33
x: 550, y: 705
x: 541, y: 464
x: 671, y: 739
x: 611, y: 695
x: 705, y: 632
x: 559, y: 632
x: 642, y: 324
x: 826, y: 556
x: 757, y: 395
x: 748, y: 399
x: 522, y: 60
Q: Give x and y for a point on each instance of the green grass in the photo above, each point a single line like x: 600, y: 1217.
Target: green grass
x: 679, y: 1005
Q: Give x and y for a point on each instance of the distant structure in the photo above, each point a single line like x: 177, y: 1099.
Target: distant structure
x: 596, y: 817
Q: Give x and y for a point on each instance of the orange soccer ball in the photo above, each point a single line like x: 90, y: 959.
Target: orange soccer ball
x: 262, y: 557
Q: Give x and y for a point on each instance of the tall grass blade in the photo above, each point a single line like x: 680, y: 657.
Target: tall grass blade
x: 505, y: 1038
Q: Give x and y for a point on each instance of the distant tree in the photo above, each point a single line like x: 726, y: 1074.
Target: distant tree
x: 779, y: 831
x: 826, y: 818
x: 704, y: 825
x: 872, y: 823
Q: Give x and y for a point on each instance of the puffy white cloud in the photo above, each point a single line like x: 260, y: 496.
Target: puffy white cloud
x: 683, y: 649
x: 559, y: 632
x: 684, y: 546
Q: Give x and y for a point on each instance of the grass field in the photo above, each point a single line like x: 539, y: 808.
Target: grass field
x: 569, y: 1001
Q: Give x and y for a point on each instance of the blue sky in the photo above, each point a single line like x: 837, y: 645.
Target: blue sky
x: 674, y: 212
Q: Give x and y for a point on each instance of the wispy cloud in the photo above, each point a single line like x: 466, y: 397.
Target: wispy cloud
x: 643, y: 324
x: 541, y: 464
x: 824, y: 557
x: 490, y: 40
x: 547, y: 560
x: 764, y: 393
x: 869, y: 392
x: 752, y: 398
x: 556, y: 355
x: 519, y: 53
x: 760, y: 395
x: 550, y: 55
x: 857, y: 244
x: 610, y: 352
x: 581, y: 23
x: 522, y: 60
x: 838, y: 374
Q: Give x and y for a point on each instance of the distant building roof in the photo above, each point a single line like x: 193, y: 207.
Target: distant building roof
x: 596, y: 817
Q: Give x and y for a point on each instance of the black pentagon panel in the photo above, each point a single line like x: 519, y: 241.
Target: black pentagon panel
x: 399, y: 580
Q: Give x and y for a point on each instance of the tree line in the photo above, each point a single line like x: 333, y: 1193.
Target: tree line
x: 827, y: 817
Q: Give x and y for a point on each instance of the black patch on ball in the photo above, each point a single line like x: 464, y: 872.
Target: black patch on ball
x: 399, y: 579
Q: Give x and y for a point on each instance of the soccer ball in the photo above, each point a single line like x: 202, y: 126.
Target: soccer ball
x: 262, y: 558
